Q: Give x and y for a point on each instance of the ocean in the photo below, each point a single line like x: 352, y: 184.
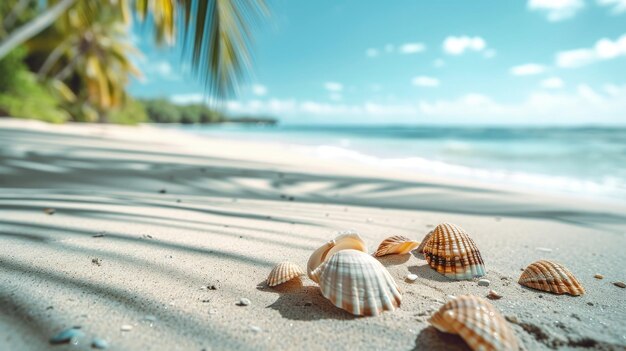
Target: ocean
x: 588, y: 161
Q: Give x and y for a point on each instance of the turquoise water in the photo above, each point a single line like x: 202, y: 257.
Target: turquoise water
x: 589, y: 161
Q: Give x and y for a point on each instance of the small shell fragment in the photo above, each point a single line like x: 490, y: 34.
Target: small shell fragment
x: 620, y: 284
x: 476, y: 321
x: 598, y: 276
x: 126, y: 327
x: 494, y: 295
x: 344, y: 241
x: 411, y: 277
x: 451, y: 252
x: 358, y: 283
x: 397, y: 244
x: 284, y: 272
x: 552, y: 277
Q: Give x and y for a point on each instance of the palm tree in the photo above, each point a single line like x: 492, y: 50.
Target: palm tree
x: 216, y: 34
x: 89, y: 64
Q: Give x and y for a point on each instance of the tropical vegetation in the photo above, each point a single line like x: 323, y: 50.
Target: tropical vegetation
x: 72, y: 59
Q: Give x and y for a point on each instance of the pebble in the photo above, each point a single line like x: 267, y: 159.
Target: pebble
x: 126, y: 327
x: 484, y: 282
x: 244, y: 302
x: 255, y: 329
x: 98, y: 343
x: 494, y: 295
x: 70, y: 335
x: 49, y: 211
x: 512, y: 319
x: 450, y: 297
x: 620, y: 284
x: 544, y: 249
x: 411, y: 277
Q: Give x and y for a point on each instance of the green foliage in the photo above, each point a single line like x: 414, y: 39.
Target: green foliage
x: 132, y: 112
x: 22, y: 96
x: 163, y: 111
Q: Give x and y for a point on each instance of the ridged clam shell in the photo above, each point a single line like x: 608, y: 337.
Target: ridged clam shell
x: 358, y: 283
x: 284, y: 272
x: 421, y: 247
x: 344, y: 241
x: 476, y: 321
x: 397, y: 244
x: 552, y: 277
x: 451, y: 252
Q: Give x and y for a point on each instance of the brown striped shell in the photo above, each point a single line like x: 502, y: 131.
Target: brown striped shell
x: 451, y: 252
x: 397, y: 244
x: 421, y: 247
x: 284, y: 272
x: 358, y: 283
x: 552, y: 277
x: 475, y: 320
x: 345, y: 240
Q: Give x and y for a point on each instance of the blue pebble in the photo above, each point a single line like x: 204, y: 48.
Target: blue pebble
x: 67, y: 336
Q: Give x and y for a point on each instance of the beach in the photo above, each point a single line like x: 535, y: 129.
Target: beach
x: 106, y: 226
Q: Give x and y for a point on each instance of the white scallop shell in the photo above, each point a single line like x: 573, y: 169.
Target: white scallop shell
x: 358, y: 283
x: 284, y: 272
x: 344, y: 241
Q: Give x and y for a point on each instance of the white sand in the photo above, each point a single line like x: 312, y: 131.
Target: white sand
x: 231, y: 226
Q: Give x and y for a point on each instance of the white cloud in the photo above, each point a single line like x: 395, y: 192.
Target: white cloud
x: 412, y: 48
x: 186, y: 99
x: 162, y: 69
x: 371, y: 52
x: 528, y: 69
x: 458, y: 45
x: 617, y: 6
x: 423, y: 81
x: 438, y: 63
x: 604, y: 49
x: 259, y: 90
x: 557, y: 10
x: 552, y: 83
x: 333, y: 86
x: 583, y: 105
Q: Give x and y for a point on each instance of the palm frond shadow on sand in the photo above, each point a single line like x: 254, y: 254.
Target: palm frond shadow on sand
x: 297, y: 301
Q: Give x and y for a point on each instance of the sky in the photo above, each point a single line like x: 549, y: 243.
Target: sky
x: 478, y: 62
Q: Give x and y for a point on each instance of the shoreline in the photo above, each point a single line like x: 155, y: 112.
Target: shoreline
x: 178, y: 213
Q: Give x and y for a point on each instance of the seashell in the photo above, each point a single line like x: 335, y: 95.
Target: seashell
x: 451, y: 252
x: 397, y: 244
x: 421, y: 247
x: 284, y: 272
x: 358, y: 283
x: 552, y: 277
x: 345, y: 240
x: 475, y: 320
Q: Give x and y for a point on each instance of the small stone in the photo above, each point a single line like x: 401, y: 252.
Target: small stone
x: 98, y: 343
x: 149, y: 318
x: 126, y: 327
x: 450, y: 297
x: 620, y: 284
x: 590, y: 303
x: 484, y: 282
x: 543, y: 249
x: 212, y: 287
x: 70, y: 335
x: 255, y: 329
x: 540, y: 296
x: 96, y: 261
x: 162, y: 191
x: 411, y: 277
x: 598, y: 276
x: 512, y: 319
x: 494, y: 295
x: 49, y: 211
x: 243, y: 302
